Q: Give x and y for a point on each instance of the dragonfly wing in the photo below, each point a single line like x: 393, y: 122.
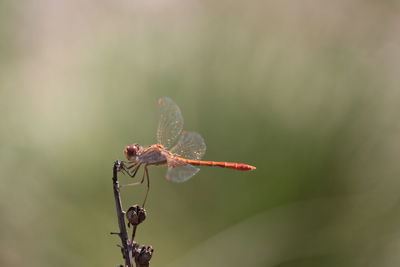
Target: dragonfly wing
x: 190, y: 145
x: 179, y: 171
x: 171, y: 122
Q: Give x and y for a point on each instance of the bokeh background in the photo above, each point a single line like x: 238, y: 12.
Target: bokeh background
x: 307, y: 91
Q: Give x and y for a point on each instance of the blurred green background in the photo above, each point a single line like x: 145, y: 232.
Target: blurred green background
x: 307, y: 91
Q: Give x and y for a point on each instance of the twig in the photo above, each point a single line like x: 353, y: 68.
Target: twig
x: 126, y: 249
x: 135, y: 215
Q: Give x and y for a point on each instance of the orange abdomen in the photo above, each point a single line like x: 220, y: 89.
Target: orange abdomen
x: 229, y: 165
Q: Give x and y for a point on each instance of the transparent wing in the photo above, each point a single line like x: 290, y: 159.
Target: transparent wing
x: 171, y: 122
x: 179, y: 171
x: 190, y: 145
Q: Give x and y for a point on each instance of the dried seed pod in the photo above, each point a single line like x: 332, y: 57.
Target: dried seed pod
x: 144, y: 256
x: 135, y: 215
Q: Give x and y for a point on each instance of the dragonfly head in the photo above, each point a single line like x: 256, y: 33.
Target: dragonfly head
x: 131, y: 151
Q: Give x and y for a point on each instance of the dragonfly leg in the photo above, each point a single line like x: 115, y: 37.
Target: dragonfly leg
x: 131, y: 166
x: 146, y: 172
x: 125, y: 168
x: 133, y: 175
x: 133, y: 172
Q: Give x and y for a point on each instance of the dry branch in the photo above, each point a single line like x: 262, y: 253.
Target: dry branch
x: 131, y: 251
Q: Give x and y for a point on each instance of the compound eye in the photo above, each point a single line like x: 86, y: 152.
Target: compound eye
x: 131, y: 151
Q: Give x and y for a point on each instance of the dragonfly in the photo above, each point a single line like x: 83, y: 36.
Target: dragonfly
x: 181, y: 151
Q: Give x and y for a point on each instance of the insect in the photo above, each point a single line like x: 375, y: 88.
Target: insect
x: 181, y: 151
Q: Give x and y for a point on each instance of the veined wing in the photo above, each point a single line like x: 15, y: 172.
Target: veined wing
x: 179, y: 171
x: 190, y: 145
x: 171, y: 122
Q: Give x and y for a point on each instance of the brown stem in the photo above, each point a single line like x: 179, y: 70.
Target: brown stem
x: 134, y: 232
x: 123, y: 234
